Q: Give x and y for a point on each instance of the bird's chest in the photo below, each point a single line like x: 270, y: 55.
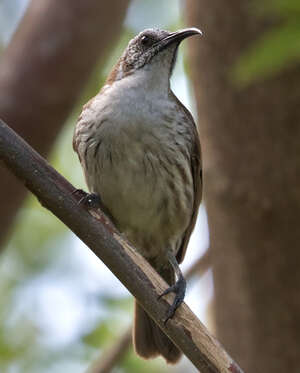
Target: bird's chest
x: 138, y: 161
x: 135, y: 142
x: 132, y: 177
x: 145, y: 181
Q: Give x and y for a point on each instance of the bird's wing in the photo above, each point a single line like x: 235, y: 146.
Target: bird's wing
x: 87, y: 118
x: 80, y: 122
x: 196, y: 166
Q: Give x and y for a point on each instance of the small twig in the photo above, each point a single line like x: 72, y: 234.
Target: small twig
x: 200, y: 266
x: 55, y: 193
x: 113, y: 355
x: 107, y: 360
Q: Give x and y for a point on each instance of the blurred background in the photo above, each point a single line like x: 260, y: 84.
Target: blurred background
x: 61, y: 309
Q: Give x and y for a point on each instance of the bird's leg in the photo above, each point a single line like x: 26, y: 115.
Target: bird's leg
x: 90, y: 200
x: 178, y: 288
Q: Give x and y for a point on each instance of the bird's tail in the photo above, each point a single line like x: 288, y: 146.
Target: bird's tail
x: 148, y: 339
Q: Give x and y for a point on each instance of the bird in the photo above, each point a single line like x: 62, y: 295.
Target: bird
x: 140, y: 152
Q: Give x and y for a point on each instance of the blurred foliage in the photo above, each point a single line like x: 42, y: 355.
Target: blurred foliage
x: 132, y: 363
x: 277, y: 49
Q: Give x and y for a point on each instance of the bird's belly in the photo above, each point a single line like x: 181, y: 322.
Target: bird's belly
x: 149, y: 197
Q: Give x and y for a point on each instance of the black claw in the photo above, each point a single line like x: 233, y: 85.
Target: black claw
x: 179, y: 289
x: 90, y: 200
x: 79, y: 192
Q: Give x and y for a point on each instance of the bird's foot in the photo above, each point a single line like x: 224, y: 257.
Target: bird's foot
x: 179, y: 289
x: 90, y: 200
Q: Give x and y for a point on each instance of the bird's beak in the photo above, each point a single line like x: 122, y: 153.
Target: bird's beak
x: 178, y: 36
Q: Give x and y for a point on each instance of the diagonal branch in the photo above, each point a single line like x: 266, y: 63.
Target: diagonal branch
x: 55, y: 193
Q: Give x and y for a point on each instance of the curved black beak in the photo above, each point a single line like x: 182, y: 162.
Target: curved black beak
x: 178, y: 36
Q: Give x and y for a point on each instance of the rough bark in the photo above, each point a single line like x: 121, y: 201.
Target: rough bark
x: 43, y: 70
x: 250, y: 140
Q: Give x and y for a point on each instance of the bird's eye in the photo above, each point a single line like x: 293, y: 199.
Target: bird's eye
x: 146, y: 40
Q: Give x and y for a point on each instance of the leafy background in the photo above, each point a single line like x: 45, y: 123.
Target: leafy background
x: 277, y: 49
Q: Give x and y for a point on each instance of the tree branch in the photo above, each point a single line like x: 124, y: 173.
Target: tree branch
x: 55, y: 193
x: 115, y: 353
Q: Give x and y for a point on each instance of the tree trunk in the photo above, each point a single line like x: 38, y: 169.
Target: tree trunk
x: 251, y: 152
x: 42, y: 73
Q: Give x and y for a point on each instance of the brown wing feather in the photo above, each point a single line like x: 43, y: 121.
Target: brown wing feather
x: 75, y: 138
x: 196, y: 167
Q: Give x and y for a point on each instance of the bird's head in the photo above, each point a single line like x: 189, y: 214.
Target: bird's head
x: 151, y: 49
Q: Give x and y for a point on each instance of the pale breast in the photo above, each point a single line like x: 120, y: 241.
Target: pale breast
x: 141, y: 168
